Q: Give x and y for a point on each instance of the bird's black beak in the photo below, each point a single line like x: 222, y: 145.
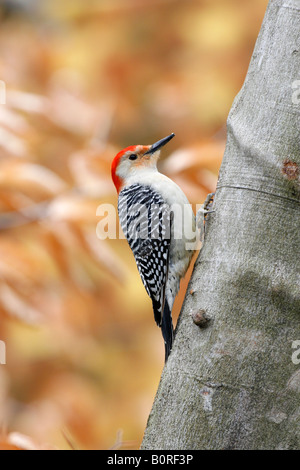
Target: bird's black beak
x: 161, y: 143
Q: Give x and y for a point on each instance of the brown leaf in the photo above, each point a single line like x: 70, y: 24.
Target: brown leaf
x: 19, y: 441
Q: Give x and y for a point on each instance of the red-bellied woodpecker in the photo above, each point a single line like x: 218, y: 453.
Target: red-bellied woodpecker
x: 159, y: 224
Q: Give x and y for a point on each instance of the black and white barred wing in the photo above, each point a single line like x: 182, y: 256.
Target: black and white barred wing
x: 146, y: 222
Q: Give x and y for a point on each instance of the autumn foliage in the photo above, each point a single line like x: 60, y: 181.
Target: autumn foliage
x: 83, y: 80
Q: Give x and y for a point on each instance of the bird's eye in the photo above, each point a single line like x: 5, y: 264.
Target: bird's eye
x: 133, y: 156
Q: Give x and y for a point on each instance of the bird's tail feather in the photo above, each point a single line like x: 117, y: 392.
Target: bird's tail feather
x: 167, y: 330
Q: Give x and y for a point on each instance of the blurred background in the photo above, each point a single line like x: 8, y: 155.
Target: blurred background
x: 84, y: 80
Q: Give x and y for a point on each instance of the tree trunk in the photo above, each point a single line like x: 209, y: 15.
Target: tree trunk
x: 233, y: 384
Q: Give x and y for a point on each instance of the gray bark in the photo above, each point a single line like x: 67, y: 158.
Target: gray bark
x: 233, y: 384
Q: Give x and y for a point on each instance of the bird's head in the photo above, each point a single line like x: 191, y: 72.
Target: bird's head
x: 135, y: 158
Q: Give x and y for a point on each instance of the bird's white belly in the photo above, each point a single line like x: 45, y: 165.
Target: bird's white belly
x: 183, y: 237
